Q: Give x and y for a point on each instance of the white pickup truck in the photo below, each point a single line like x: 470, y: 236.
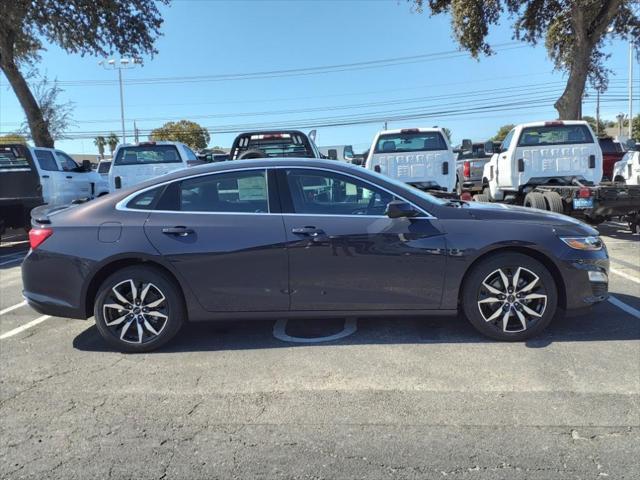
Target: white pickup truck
x: 142, y: 161
x: 32, y: 176
x: 555, y: 166
x: 421, y: 157
x: 627, y: 170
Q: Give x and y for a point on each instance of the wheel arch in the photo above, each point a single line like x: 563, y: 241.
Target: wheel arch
x: 545, y: 260
x: 113, y: 266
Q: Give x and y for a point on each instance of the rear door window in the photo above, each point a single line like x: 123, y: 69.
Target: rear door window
x: 243, y: 192
x: 410, y: 142
x: 554, y: 135
x: 47, y: 161
x: 103, y: 167
x: 147, y: 154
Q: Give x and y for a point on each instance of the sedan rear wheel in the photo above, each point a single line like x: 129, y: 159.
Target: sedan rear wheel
x: 510, y: 297
x: 138, y: 309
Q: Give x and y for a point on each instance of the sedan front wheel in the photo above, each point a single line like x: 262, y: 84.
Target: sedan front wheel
x: 510, y: 297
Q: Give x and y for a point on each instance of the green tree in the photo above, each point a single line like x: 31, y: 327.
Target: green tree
x: 185, y: 131
x: 128, y: 27
x: 112, y: 141
x: 100, y: 142
x: 574, y: 34
x: 592, y: 123
x: 57, y: 115
x: 13, y: 138
x: 502, y: 132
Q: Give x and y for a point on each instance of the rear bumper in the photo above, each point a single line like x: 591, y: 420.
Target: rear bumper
x: 472, y: 185
x: 15, y: 212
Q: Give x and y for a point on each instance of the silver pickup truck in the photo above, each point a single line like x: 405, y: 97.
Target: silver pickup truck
x: 470, y: 164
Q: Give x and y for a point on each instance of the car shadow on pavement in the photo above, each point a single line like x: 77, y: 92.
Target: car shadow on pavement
x: 617, y: 232
x: 604, y: 323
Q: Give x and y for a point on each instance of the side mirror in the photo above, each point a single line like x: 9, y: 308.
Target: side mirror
x: 399, y: 208
x: 86, y: 165
x: 467, y: 144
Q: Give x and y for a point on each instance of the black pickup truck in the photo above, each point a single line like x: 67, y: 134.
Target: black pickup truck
x: 20, y: 189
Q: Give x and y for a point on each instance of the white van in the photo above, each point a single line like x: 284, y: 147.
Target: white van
x: 421, y: 157
x: 63, y: 180
x: 136, y: 163
x: 627, y: 170
x: 544, y: 153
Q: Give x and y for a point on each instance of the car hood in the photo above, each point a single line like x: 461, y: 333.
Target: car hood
x: 499, y: 211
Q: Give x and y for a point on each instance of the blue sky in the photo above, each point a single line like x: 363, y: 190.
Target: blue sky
x: 228, y: 37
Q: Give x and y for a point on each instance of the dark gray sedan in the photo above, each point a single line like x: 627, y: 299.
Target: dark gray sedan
x: 303, y: 238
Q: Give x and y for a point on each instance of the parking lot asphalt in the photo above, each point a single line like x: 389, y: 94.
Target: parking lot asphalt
x: 387, y: 398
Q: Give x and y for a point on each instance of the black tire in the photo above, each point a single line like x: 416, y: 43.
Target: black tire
x: 252, y: 154
x: 481, y: 197
x: 458, y: 187
x: 135, y: 318
x: 479, y: 308
x: 535, y: 200
x: 554, y: 202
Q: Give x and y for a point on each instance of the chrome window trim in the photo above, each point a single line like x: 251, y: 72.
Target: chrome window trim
x: 121, y: 205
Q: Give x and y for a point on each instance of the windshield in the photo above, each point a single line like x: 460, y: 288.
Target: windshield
x: 410, y: 142
x: 554, y: 135
x: 146, y: 154
x: 274, y: 145
x: 12, y: 158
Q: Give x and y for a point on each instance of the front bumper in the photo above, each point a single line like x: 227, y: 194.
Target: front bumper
x: 581, y: 291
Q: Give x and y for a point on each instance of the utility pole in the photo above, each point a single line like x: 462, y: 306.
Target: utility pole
x: 631, y: 88
x: 136, y: 138
x: 598, y: 113
x: 385, y: 125
x: 121, y: 64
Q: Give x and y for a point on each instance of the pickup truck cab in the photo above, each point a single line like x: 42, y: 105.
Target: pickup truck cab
x: 342, y: 153
x: 544, y: 153
x: 135, y: 163
x: 421, y: 157
x: 32, y: 176
x: 273, y: 144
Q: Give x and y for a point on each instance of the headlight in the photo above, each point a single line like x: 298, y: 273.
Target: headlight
x: 583, y: 243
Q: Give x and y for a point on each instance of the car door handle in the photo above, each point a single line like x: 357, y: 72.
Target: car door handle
x: 69, y: 176
x: 307, y: 231
x: 177, y: 231
x: 45, y: 176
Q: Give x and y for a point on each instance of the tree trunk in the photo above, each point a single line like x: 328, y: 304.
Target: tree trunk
x: 39, y: 130
x: 569, y: 105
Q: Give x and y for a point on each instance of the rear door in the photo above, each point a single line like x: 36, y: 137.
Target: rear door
x: 346, y: 254
x: 223, y: 232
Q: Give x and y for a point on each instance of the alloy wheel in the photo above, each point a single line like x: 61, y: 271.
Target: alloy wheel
x: 512, y: 299
x: 135, y: 311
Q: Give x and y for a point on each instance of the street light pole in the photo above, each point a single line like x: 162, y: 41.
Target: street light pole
x: 121, y: 64
x: 630, y: 88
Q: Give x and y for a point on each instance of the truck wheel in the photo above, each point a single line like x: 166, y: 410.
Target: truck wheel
x: 554, y: 202
x: 535, y: 200
x: 458, y: 186
x: 509, y: 297
x: 481, y: 197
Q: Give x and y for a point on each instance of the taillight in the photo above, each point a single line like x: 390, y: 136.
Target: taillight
x: 466, y: 169
x: 584, y: 192
x: 38, y: 235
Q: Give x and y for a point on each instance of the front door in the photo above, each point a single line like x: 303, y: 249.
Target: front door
x: 346, y: 254
x: 219, y: 233
x: 51, y: 177
x: 78, y: 182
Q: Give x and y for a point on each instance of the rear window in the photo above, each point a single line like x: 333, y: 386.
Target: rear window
x: 273, y: 145
x: 410, y: 142
x: 554, y: 135
x: 147, y: 154
x: 103, y: 167
x: 12, y: 158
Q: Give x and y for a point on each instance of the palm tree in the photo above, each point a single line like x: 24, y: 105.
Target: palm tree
x: 112, y: 141
x: 100, y: 142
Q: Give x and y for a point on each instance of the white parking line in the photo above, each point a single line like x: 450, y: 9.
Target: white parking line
x: 9, y: 309
x: 623, y: 306
x: 624, y: 275
x: 24, y: 327
x: 280, y: 327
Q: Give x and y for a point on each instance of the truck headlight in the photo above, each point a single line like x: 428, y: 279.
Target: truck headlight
x: 583, y: 243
